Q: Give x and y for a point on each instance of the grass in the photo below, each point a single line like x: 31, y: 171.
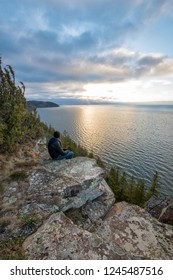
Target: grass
x: 18, y: 175
x: 12, y: 249
x: 1, y: 188
x: 24, y: 163
x: 28, y: 224
x: 4, y: 222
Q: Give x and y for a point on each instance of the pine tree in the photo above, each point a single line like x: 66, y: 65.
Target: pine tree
x: 154, y: 185
x: 15, y: 120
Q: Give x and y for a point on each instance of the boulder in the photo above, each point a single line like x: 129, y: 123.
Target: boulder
x: 66, y: 210
x: 60, y: 239
x: 166, y: 215
x: 137, y: 232
x: 75, y: 187
x: 161, y: 208
x: 69, y: 184
x: 65, y: 186
x: 126, y: 232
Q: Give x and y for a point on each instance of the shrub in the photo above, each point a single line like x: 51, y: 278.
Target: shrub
x: 28, y: 224
x: 128, y: 189
x: 124, y: 187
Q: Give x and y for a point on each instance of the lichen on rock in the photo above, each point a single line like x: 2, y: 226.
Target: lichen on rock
x: 65, y: 210
x: 89, y: 224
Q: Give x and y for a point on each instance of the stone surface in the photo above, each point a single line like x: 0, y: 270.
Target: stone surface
x: 53, y: 186
x: 166, y: 215
x: 136, y: 232
x: 79, y: 168
x: 161, y: 209
x: 126, y: 232
x: 60, y: 239
x: 72, y: 184
x: 65, y: 210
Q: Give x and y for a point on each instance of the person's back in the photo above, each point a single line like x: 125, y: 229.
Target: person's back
x: 55, y: 150
x: 52, y: 148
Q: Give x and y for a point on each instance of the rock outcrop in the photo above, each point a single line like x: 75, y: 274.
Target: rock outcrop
x: 161, y: 209
x: 80, y: 219
x: 66, y: 210
x: 68, y: 185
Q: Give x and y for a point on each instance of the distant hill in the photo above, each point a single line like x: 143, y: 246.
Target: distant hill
x: 41, y: 104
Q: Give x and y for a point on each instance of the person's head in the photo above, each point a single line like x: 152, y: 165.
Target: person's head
x: 56, y: 134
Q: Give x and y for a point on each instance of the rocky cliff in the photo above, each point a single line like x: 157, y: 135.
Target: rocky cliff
x: 66, y: 210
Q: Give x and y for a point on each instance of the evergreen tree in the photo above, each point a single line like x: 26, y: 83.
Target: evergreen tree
x: 153, y: 188
x: 15, y: 120
x: 129, y: 189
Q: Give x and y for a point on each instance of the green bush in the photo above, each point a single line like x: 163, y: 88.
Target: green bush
x: 128, y: 189
x: 124, y: 187
x: 28, y: 224
x: 17, y: 124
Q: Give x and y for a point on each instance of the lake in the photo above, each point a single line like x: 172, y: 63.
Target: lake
x: 137, y: 139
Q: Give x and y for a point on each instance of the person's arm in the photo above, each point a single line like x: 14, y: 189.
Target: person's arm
x: 57, y: 147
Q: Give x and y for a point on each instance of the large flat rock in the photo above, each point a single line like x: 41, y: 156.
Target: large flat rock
x: 69, y: 184
x: 137, y: 232
x: 126, y: 232
x: 60, y: 239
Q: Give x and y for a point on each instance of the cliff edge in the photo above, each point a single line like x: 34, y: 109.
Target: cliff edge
x: 66, y: 210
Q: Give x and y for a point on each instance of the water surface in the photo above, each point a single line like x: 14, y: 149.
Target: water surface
x: 137, y: 139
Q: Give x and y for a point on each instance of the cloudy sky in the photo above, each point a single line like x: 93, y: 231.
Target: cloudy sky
x: 102, y: 50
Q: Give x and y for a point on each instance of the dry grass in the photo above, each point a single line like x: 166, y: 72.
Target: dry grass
x: 26, y: 163
x: 16, y: 167
x: 12, y: 249
x: 6, y: 166
x: 8, y: 207
x: 1, y: 188
x: 24, y: 157
x: 20, y: 203
x: 4, y: 222
x: 19, y: 175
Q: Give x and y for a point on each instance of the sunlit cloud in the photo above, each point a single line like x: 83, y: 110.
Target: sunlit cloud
x: 93, y: 49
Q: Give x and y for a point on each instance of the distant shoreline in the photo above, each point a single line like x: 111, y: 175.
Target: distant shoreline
x: 41, y: 104
x: 128, y: 105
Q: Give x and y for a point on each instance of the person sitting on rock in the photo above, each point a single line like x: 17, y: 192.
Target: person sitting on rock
x: 55, y: 148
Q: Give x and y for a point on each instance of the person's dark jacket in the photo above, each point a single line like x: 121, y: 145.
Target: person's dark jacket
x: 54, y: 148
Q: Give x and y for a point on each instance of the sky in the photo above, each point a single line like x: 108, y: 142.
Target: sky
x: 74, y: 51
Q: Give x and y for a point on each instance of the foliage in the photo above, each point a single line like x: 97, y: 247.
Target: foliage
x: 153, y: 188
x: 127, y: 189
x: 40, y: 104
x: 28, y: 224
x: 16, y: 122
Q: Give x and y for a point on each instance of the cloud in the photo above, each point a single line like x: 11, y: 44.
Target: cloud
x: 8, y: 44
x: 155, y: 65
x: 150, y: 60
x: 78, y: 42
